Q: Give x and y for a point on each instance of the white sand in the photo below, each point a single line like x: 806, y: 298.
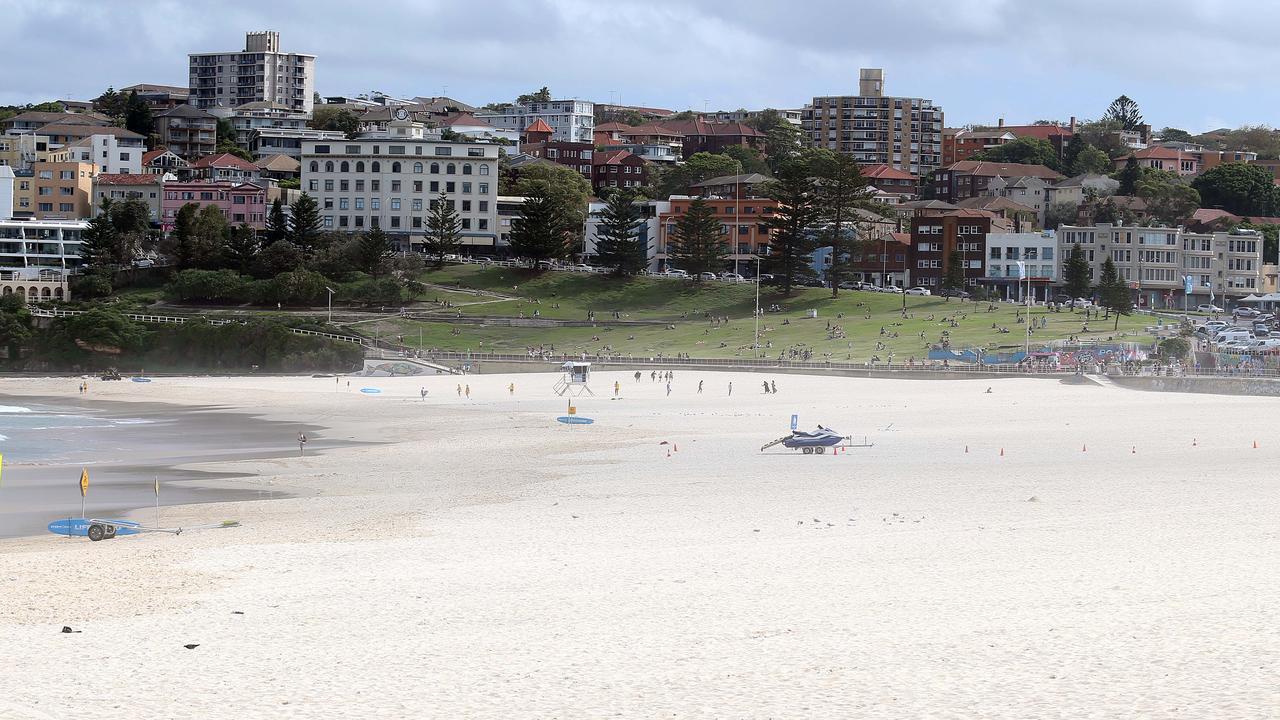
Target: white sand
x: 494, y: 563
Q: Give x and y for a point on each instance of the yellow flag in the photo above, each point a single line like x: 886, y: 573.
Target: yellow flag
x: 84, y: 482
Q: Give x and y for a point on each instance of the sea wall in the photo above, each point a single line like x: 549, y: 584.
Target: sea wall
x: 1207, y: 385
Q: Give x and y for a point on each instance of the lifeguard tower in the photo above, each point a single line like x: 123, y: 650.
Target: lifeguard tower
x: 575, y: 375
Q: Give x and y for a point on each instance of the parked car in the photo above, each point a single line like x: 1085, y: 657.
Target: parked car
x: 865, y: 286
x: 673, y: 272
x: 962, y: 294
x: 765, y: 278
x: 1260, y: 330
x: 1245, y: 312
x: 1211, y: 309
x: 707, y: 276
x: 889, y: 289
x: 731, y: 277
x: 1083, y: 303
x: 918, y: 291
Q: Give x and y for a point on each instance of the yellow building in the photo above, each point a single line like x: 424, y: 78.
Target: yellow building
x: 55, y: 191
x: 20, y: 151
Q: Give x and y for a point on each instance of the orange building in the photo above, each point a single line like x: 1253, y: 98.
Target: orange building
x: 741, y: 222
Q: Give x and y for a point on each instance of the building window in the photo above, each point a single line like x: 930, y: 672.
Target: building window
x: 417, y: 203
x: 395, y: 203
x: 344, y: 204
x: 344, y: 166
x: 484, y: 188
x: 450, y: 169
x: 315, y: 166
x: 359, y: 203
x: 484, y: 169
x: 434, y: 186
x: 466, y: 168
x: 417, y: 168
x: 395, y: 186
x: 376, y: 166
x: 466, y: 188
x: 359, y: 166
x: 466, y: 223
x: 328, y: 166
x: 328, y: 186
x: 482, y: 224
x: 444, y: 151
x: 375, y: 204
x: 395, y: 167
x: 450, y: 187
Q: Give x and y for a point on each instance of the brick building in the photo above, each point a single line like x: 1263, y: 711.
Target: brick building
x: 934, y: 238
x: 239, y: 202
x: 971, y: 178
x: 741, y: 222
x: 617, y: 169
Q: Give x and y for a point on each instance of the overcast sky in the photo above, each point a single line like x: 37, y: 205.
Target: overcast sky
x: 1194, y: 64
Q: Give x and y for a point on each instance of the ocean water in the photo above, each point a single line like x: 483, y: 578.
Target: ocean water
x: 44, y: 434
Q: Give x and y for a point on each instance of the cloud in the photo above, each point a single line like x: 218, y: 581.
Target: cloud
x: 1183, y: 60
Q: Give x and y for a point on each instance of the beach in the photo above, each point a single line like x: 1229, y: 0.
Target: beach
x: 1040, y: 550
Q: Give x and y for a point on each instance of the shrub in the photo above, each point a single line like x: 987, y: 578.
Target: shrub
x: 215, y: 286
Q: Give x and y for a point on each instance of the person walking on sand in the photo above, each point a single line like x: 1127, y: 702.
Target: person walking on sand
x: 637, y: 376
x: 765, y: 383
x: 699, y: 387
x: 468, y: 391
x: 668, y: 389
x: 511, y: 388
x: 617, y: 388
x: 302, y: 441
x: 773, y: 387
x: 459, y: 389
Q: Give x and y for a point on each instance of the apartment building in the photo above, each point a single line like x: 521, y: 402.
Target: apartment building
x: 390, y: 179
x: 54, y: 191
x: 146, y: 187
x: 618, y: 169
x: 266, y: 142
x: 160, y: 161
x: 1156, y: 261
x: 27, y: 245
x: 225, y: 167
x: 241, y: 203
x: 261, y: 72
x: 741, y: 116
x: 32, y: 120
x: 20, y: 151
x: 961, y: 144
x: 114, y: 153
x: 891, y: 180
x: 972, y: 178
x: 258, y: 115
x: 1038, y: 254
x: 574, y: 155
x: 187, y: 132
x: 935, y: 238
x: 651, y: 212
x: 569, y: 120
x: 159, y: 98
x: 742, y: 223
x: 875, y: 128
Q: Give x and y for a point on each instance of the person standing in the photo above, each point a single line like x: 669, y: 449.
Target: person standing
x: 699, y: 387
x: 617, y: 388
x: 422, y: 392
x: 637, y: 376
x: 468, y: 391
x: 773, y: 387
x: 459, y: 389
x: 668, y: 389
x: 511, y: 388
x: 730, y: 388
x: 302, y: 441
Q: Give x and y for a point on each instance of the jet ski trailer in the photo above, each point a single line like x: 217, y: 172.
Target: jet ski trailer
x: 814, y: 442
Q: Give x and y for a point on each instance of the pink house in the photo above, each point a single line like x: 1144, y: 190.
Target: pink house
x: 239, y: 202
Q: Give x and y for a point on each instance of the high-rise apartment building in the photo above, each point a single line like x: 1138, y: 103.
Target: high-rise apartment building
x: 568, y: 120
x: 877, y: 129
x: 261, y: 73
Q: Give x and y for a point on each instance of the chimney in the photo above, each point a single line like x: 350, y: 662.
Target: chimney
x: 1000, y: 122
x: 1073, y: 124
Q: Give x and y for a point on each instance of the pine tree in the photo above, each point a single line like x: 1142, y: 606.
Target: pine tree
x: 1114, y: 291
x: 841, y: 190
x: 953, y: 278
x: 277, y: 224
x: 209, y: 238
x: 182, y: 237
x: 618, y: 243
x: 1071, y: 152
x: 1129, y: 177
x: 1076, y: 273
x: 242, y: 249
x: 373, y: 249
x: 791, y: 240
x: 98, y: 241
x: 698, y: 244
x: 541, y: 232
x: 305, y: 224
x: 138, y: 115
x: 444, y: 229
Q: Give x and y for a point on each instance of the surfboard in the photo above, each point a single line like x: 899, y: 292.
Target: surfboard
x: 370, y: 391
x: 79, y: 527
x: 575, y: 420
x: 140, y: 379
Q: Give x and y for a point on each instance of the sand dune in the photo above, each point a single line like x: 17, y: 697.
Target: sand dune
x: 486, y: 561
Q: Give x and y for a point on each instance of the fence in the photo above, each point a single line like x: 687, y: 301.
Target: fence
x: 180, y: 320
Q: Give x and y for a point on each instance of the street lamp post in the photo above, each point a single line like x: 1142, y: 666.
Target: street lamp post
x: 756, y: 344
x: 331, y: 292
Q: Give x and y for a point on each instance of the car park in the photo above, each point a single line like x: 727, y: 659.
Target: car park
x: 918, y: 291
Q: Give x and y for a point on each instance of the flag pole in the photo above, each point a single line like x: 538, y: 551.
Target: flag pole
x: 157, y: 501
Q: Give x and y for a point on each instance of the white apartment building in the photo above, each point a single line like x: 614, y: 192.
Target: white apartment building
x: 34, y: 245
x: 258, y: 73
x: 1036, y: 251
x: 650, y: 211
x: 571, y: 120
x: 1156, y: 261
x: 390, y: 179
x: 286, y: 141
x: 261, y: 115
x: 112, y: 154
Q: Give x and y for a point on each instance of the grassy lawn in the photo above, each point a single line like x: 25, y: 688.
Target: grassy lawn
x: 681, y: 305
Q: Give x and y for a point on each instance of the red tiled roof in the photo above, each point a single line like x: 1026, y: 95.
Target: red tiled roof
x: 225, y: 160
x: 650, y: 129
x: 703, y: 127
x: 885, y: 172
x: 983, y: 168
x: 610, y: 157
x: 126, y: 179
x: 612, y: 127
x: 1157, y: 153
x: 901, y: 237
x: 1044, y: 132
x: 467, y: 119
x: 539, y: 126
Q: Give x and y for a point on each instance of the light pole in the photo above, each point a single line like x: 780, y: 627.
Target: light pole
x: 756, y: 344
x: 331, y: 292
x: 884, y: 258
x: 737, y: 210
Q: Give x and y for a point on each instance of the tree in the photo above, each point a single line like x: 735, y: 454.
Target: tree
x: 953, y: 277
x: 1124, y: 112
x: 676, y: 179
x: 114, y: 105
x: 1113, y: 291
x: 305, y: 225
x: 98, y: 241
x: 1025, y: 150
x: 276, y: 258
x: 1105, y: 135
x: 137, y: 116
x: 1077, y: 276
x: 15, y: 325
x: 335, y: 119
x: 277, y: 224
x: 542, y: 95
x: 791, y: 226
x: 1175, y: 135
x: 1168, y: 200
x: 782, y: 139
x: 541, y: 232
x: 1060, y: 213
x: 565, y: 186
x: 208, y: 238
x: 1071, y: 152
x: 181, y: 238
x: 1129, y: 177
x: 1174, y: 348
x: 1239, y: 188
x: 241, y: 251
x: 618, y: 242
x: 841, y: 189
x: 698, y: 244
x: 1090, y: 161
x: 750, y: 160
x: 374, y: 248
x: 115, y: 236
x: 444, y: 229
x: 1270, y: 240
